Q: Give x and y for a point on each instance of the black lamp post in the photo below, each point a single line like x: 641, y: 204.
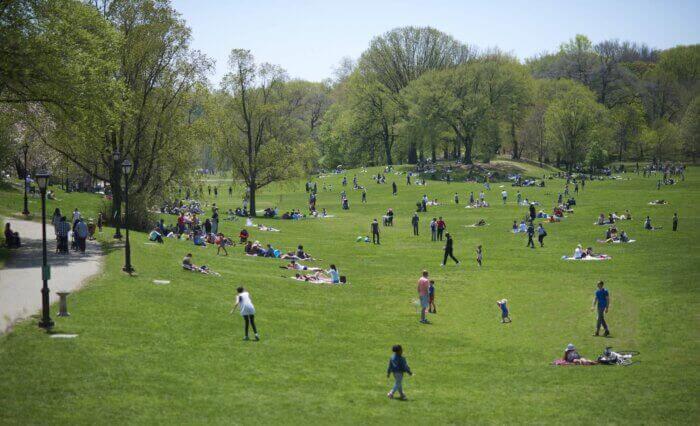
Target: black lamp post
x: 117, y: 223
x: 25, y: 175
x: 42, y: 179
x: 126, y: 169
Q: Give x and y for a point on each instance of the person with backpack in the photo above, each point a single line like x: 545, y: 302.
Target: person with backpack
x: 541, y: 233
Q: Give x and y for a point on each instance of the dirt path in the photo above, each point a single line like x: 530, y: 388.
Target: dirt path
x: 20, y: 279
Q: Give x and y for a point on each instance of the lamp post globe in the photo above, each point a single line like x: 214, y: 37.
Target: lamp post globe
x: 42, y: 179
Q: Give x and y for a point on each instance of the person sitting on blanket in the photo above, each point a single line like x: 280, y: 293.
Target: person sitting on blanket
x: 243, y: 235
x: 601, y: 219
x: 155, y: 236
x: 579, y: 253
x: 315, y: 278
x: 572, y: 356
x: 301, y: 254
x: 623, y: 237
x: 626, y: 216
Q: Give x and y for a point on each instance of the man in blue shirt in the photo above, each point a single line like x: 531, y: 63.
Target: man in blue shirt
x: 602, y: 299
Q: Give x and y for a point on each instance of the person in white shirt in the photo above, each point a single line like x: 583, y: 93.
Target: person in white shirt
x: 245, y: 305
x: 80, y: 231
x: 504, y: 195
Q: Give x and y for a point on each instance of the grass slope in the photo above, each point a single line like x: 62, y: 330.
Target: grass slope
x: 165, y: 354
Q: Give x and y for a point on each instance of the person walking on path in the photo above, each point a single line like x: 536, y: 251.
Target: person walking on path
x: 602, y: 299
x: 541, y: 233
x: 397, y: 366
x: 375, y: 232
x: 81, y: 234
x: 530, y: 234
x: 441, y: 225
x: 675, y: 221
x: 449, y: 250
x: 245, y: 305
x: 424, y: 295
x: 414, y: 221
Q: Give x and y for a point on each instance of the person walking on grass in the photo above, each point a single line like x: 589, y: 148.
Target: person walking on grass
x: 424, y: 295
x: 431, y: 298
x: 449, y: 250
x: 375, y: 232
x: 397, y: 366
x: 245, y: 305
x: 602, y: 300
x: 433, y: 230
x: 414, y: 221
x: 364, y: 195
x: 504, y: 195
x: 530, y: 234
x: 675, y: 222
x: 479, y: 255
x: 394, y: 190
x: 541, y: 233
x: 505, y: 315
x: 456, y: 198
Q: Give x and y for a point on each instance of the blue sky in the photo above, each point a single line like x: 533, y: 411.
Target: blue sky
x: 309, y: 37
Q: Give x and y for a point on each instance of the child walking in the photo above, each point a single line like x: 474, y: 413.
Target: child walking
x: 505, y: 315
x: 479, y: 255
x: 397, y: 366
x: 431, y: 298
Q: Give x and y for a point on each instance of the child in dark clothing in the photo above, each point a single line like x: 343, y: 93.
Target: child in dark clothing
x: 397, y: 366
x: 431, y: 298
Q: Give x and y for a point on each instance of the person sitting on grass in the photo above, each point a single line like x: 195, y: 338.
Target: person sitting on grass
x: 572, y: 356
x: 294, y: 266
x: 12, y: 239
x: 480, y: 222
x: 199, y: 239
x: 155, y: 236
x: 243, y: 236
x: 189, y: 266
x: 647, y: 224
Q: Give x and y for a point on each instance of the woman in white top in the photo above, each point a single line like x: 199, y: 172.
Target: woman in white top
x: 247, y: 309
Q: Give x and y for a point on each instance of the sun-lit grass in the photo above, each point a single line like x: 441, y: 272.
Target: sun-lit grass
x: 151, y: 353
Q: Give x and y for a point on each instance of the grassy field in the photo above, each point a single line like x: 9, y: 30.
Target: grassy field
x: 172, y: 353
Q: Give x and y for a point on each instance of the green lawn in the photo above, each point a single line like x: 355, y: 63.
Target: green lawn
x: 172, y: 353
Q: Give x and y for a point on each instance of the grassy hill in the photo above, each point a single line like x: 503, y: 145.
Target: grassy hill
x: 172, y: 353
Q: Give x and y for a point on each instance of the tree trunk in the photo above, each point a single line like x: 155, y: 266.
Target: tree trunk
x: 467, y: 150
x: 253, y: 189
x: 412, y: 154
x: 516, y: 150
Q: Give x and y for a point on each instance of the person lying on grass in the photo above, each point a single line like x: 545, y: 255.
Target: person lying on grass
x: 262, y: 227
x: 658, y: 202
x: 571, y: 356
x: 480, y: 222
x: 294, y: 266
x: 189, y: 266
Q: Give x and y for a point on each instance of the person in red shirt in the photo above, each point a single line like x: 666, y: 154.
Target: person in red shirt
x: 441, y: 225
x: 423, y: 295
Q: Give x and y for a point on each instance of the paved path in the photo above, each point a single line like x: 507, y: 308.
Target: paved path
x: 20, y: 279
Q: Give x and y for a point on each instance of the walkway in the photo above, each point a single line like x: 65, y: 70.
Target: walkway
x: 20, y: 279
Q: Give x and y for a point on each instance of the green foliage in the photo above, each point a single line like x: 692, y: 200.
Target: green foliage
x: 690, y: 129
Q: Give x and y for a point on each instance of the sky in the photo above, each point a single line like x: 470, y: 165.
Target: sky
x: 308, y: 38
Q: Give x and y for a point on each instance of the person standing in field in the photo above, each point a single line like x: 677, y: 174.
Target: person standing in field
x: 414, y: 221
x: 364, y: 195
x: 449, y: 250
x: 397, y: 366
x: 431, y: 298
x: 394, y: 190
x: 530, y: 234
x: 245, y: 305
x: 504, y: 195
x: 424, y: 295
x: 675, y: 221
x: 433, y: 230
x: 541, y: 233
x: 375, y: 232
x: 441, y: 225
x: 602, y: 300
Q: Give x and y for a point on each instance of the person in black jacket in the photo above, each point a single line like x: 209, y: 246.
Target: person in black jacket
x: 414, y: 222
x: 533, y: 214
x: 448, y: 250
x: 375, y: 232
x: 393, y: 188
x: 530, y: 234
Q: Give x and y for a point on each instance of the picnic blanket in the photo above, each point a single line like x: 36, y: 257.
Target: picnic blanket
x: 598, y: 257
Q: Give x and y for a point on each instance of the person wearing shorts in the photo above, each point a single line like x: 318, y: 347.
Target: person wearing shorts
x: 424, y: 296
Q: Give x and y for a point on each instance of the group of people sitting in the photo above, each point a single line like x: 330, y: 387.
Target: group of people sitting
x: 239, y: 212
x: 613, y: 217
x: 330, y: 276
x: 12, y: 239
x: 612, y: 236
x: 580, y: 253
x: 181, y: 206
x: 293, y: 214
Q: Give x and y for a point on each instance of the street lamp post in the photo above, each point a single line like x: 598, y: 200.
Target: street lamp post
x: 117, y: 223
x: 42, y: 179
x: 126, y: 169
x: 25, y: 175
